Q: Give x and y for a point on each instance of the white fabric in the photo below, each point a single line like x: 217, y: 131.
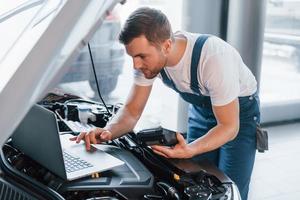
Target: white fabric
x: 222, y: 74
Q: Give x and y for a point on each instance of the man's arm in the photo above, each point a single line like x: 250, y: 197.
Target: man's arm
x: 227, y: 128
x: 125, y: 120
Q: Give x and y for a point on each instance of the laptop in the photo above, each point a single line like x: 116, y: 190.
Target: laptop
x: 37, y: 136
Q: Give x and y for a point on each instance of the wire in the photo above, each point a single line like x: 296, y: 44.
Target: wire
x: 168, y: 190
x: 82, y: 100
x: 153, y: 197
x: 96, y: 79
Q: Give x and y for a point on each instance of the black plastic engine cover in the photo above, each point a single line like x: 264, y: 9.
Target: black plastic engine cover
x: 131, y: 180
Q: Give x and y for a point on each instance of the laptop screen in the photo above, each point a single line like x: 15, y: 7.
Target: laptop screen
x: 37, y: 136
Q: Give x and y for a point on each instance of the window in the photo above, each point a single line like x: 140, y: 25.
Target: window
x: 281, y: 58
x: 115, y: 74
x: 280, y: 78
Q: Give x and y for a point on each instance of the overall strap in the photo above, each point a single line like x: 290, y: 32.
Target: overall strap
x: 165, y: 78
x: 195, y: 61
x: 167, y: 81
x: 197, y: 98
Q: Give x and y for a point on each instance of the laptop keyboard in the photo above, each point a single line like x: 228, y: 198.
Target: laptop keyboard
x: 73, y: 163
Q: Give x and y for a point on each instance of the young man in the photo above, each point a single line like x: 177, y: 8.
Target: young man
x: 210, y: 75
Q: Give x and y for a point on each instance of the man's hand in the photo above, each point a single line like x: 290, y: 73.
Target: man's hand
x: 180, y: 150
x: 95, y: 136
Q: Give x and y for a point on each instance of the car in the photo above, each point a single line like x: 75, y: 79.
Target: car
x: 47, y: 38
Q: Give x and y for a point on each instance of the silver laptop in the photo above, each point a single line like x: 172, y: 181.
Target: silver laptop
x: 38, y: 137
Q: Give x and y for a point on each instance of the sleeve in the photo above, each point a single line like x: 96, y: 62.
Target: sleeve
x: 221, y: 77
x: 140, y: 79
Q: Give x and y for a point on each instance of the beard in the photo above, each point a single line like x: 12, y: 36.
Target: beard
x: 150, y: 74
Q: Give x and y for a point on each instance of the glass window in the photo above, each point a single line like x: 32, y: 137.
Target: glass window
x: 281, y: 55
x: 113, y: 66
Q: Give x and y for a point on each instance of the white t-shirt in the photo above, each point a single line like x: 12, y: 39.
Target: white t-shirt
x: 222, y: 74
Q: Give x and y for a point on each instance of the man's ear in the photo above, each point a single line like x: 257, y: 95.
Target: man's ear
x: 167, y: 46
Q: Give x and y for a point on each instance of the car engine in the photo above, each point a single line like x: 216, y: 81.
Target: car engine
x: 145, y: 175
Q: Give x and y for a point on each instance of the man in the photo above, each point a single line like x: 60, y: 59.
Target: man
x: 210, y: 75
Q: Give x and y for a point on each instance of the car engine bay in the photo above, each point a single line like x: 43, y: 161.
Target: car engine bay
x: 145, y: 175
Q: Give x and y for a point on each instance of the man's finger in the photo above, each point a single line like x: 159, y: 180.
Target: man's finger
x: 73, y: 138
x: 92, y: 137
x: 105, y: 135
x: 87, y: 142
x: 165, y: 150
x: 80, y: 137
x: 180, y: 138
x: 159, y: 153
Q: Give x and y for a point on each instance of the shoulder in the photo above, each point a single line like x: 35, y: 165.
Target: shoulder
x: 191, y: 37
x: 215, y: 45
x: 212, y: 46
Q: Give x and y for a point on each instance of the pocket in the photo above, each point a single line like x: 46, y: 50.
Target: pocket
x: 262, y: 143
x: 249, y: 108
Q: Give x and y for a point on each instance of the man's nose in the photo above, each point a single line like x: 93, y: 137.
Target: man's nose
x: 137, y: 64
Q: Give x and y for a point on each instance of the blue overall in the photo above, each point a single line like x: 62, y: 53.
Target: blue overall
x: 235, y: 158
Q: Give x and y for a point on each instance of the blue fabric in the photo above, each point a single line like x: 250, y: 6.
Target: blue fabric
x: 235, y: 158
x: 195, y: 61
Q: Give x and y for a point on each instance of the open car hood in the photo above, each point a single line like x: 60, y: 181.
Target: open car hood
x: 39, y: 41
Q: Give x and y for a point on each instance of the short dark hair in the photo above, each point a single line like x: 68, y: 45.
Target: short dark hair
x: 149, y: 22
